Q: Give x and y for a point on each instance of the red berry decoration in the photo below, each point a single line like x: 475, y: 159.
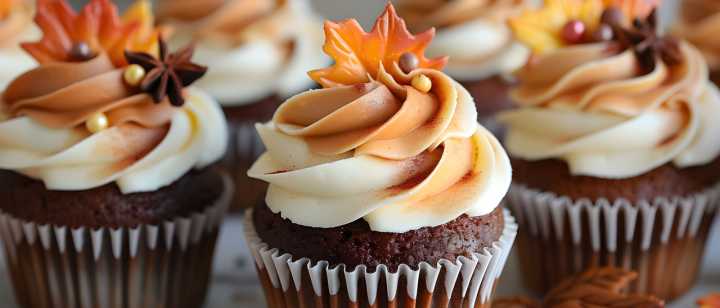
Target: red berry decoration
x: 573, y: 31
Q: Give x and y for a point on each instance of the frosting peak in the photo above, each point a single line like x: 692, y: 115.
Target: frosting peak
x: 369, y: 145
x: 592, y: 106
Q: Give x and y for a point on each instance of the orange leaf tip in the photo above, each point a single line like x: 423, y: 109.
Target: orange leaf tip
x: 98, y: 25
x: 359, y: 55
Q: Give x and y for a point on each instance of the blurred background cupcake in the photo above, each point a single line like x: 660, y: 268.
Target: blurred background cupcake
x: 698, y: 23
x: 614, y: 147
x: 258, y: 53
x: 384, y: 189
x: 16, y: 25
x: 474, y: 34
x: 108, y: 199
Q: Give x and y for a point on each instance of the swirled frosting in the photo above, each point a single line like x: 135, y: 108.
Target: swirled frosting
x: 699, y: 24
x: 473, y: 33
x: 254, y: 49
x: 399, y: 158
x: 15, y: 27
x: 146, y: 147
x: 590, y: 106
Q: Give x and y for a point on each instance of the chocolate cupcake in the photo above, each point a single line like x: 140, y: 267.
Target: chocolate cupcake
x: 15, y: 25
x: 614, y: 147
x: 384, y: 190
x: 697, y: 23
x: 108, y: 199
x: 483, y: 52
x: 258, y: 53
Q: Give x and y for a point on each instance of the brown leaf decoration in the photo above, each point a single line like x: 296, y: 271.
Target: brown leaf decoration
x: 599, y: 287
x: 358, y: 55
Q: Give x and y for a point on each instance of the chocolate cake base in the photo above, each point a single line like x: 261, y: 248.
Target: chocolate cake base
x: 106, y: 206
x: 654, y: 232
x: 491, y: 95
x: 355, y: 244
x: 244, y: 147
x: 668, y: 180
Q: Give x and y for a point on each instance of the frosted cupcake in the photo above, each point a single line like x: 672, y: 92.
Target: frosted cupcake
x: 107, y: 196
x: 384, y: 189
x: 698, y: 22
x: 15, y: 26
x: 614, y: 147
x: 258, y: 53
x: 474, y: 34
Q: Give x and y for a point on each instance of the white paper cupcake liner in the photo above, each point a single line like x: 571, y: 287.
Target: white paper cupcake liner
x: 466, y: 282
x: 164, y: 265
x: 663, y: 239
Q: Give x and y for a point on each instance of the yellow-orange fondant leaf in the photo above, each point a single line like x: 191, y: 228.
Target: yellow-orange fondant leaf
x: 98, y: 25
x: 6, y: 6
x: 358, y: 55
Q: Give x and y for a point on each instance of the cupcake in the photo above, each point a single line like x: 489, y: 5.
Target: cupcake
x: 384, y: 190
x: 483, y: 52
x: 614, y: 147
x: 698, y: 22
x: 15, y: 25
x: 258, y: 53
x: 107, y: 196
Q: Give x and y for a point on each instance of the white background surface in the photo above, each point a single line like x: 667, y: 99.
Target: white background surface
x: 235, y: 283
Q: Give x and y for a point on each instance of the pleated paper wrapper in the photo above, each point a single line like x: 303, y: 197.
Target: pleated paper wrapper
x: 663, y: 240
x: 165, y: 266
x: 300, y: 282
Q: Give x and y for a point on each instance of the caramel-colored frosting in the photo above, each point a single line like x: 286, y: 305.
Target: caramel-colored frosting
x: 254, y: 49
x: 473, y: 33
x: 591, y: 106
x: 66, y: 94
x: 145, y: 147
x: 383, y: 151
x: 699, y: 24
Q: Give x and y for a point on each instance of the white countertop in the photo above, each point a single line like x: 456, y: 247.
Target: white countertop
x: 235, y: 283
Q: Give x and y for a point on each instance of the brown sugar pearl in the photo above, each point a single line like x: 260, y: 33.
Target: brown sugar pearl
x: 573, y: 31
x: 81, y: 51
x: 612, y: 16
x: 408, y: 62
x: 603, y: 33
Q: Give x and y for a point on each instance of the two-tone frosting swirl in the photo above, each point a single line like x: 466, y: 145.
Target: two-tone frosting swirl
x: 15, y: 26
x: 698, y: 24
x: 590, y: 106
x: 473, y: 33
x: 254, y: 49
x: 400, y: 158
x: 146, y: 146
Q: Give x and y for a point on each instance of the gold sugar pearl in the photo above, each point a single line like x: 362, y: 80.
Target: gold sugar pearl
x: 97, y: 122
x: 422, y: 83
x: 134, y: 74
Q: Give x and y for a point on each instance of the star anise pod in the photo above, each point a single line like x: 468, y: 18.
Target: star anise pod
x: 643, y: 38
x: 169, y: 74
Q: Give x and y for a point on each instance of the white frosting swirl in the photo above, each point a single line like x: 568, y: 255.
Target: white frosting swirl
x: 74, y: 159
x: 340, y: 154
x: 587, y: 105
x: 473, y: 34
x: 264, y: 56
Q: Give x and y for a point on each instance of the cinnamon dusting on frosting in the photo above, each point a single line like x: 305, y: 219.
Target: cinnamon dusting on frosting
x: 371, y: 145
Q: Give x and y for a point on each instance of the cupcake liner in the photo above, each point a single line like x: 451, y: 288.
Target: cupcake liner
x: 663, y: 239
x: 164, y: 265
x: 466, y: 282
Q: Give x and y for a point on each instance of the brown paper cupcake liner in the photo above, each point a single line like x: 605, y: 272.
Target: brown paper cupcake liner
x: 663, y: 240
x: 244, y: 147
x: 466, y: 282
x: 164, y: 265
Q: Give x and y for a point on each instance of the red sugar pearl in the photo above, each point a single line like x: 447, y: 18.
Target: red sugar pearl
x: 573, y: 31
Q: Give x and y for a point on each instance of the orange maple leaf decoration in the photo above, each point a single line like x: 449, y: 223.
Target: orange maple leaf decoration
x: 98, y: 25
x: 710, y: 301
x: 6, y: 7
x: 358, y: 55
x: 634, y: 8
